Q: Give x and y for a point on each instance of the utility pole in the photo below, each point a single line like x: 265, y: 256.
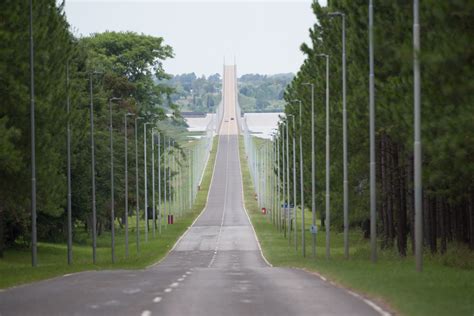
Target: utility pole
x: 145, y: 179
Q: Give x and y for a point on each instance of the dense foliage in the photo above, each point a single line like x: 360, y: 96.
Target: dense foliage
x: 121, y: 65
x: 263, y: 93
x: 447, y: 117
x: 195, y: 94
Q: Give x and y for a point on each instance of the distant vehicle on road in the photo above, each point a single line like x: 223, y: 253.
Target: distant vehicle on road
x: 231, y: 118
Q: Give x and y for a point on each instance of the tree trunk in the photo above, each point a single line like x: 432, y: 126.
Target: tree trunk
x: 433, y: 236
x: 402, y: 215
x: 442, y: 225
x: 2, y: 232
x: 471, y: 220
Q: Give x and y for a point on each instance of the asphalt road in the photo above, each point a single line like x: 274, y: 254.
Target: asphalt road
x: 215, y: 269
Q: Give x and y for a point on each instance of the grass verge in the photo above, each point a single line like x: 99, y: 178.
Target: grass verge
x: 392, y: 281
x: 15, y: 267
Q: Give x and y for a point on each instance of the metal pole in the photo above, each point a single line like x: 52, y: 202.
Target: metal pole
x: 94, y: 215
x: 112, y: 200
x: 169, y: 178
x: 328, y: 193
x: 145, y: 179
x: 153, y: 181
x: 344, y: 136
x: 159, y: 184
x: 285, y: 205
x: 303, y: 228
x: 126, y: 183
x: 288, y: 180
x: 313, y: 175
x: 165, y: 177
x: 34, y: 252
x: 69, y: 190
x: 328, y: 188
x: 417, y: 140
x: 136, y: 187
x: 373, y: 192
x: 294, y: 183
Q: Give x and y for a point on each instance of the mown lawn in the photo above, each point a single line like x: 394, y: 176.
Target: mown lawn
x: 15, y: 267
x: 392, y: 282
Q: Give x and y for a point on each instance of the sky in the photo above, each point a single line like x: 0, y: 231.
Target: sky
x: 261, y: 36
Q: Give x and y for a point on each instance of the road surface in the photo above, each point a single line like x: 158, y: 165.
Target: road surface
x: 215, y: 269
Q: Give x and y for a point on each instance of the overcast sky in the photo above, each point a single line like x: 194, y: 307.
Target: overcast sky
x: 264, y: 36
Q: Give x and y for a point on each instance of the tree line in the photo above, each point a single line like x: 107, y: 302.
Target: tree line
x: 447, y: 109
x: 122, y: 65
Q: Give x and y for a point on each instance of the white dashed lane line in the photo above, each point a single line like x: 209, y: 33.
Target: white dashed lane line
x: 168, y: 290
x: 157, y: 299
x: 146, y: 313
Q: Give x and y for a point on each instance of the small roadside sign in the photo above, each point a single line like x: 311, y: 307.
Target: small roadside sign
x: 313, y: 229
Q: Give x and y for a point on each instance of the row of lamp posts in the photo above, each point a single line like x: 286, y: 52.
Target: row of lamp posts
x: 279, y: 177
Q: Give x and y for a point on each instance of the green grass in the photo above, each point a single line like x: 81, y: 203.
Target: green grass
x: 392, y: 281
x: 15, y: 267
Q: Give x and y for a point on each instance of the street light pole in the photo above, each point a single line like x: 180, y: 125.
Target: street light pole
x: 145, y: 179
x: 153, y: 180
x: 328, y: 190
x: 34, y: 241
x: 137, y: 212
x: 159, y: 183
x: 126, y: 181
x: 313, y: 175
x: 288, y: 180
x: 417, y: 140
x: 94, y: 214
x: 344, y: 135
x: 294, y: 180
x: 69, y: 190
x: 373, y: 192
x: 303, y: 244
x: 112, y: 199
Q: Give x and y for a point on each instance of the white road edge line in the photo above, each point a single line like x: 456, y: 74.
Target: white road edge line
x: 372, y: 304
x: 146, y: 313
x: 243, y: 205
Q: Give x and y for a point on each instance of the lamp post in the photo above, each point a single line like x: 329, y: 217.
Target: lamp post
x: 373, y: 192
x: 126, y: 181
x: 34, y: 251
x: 145, y: 179
x: 165, y: 177
x: 344, y: 134
x: 112, y: 199
x: 94, y: 212
x: 303, y: 244
x: 288, y: 180
x: 328, y: 192
x: 294, y: 179
x: 159, y: 183
x: 137, y: 212
x: 313, y: 175
x: 417, y: 140
x: 69, y: 190
x: 153, y: 180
